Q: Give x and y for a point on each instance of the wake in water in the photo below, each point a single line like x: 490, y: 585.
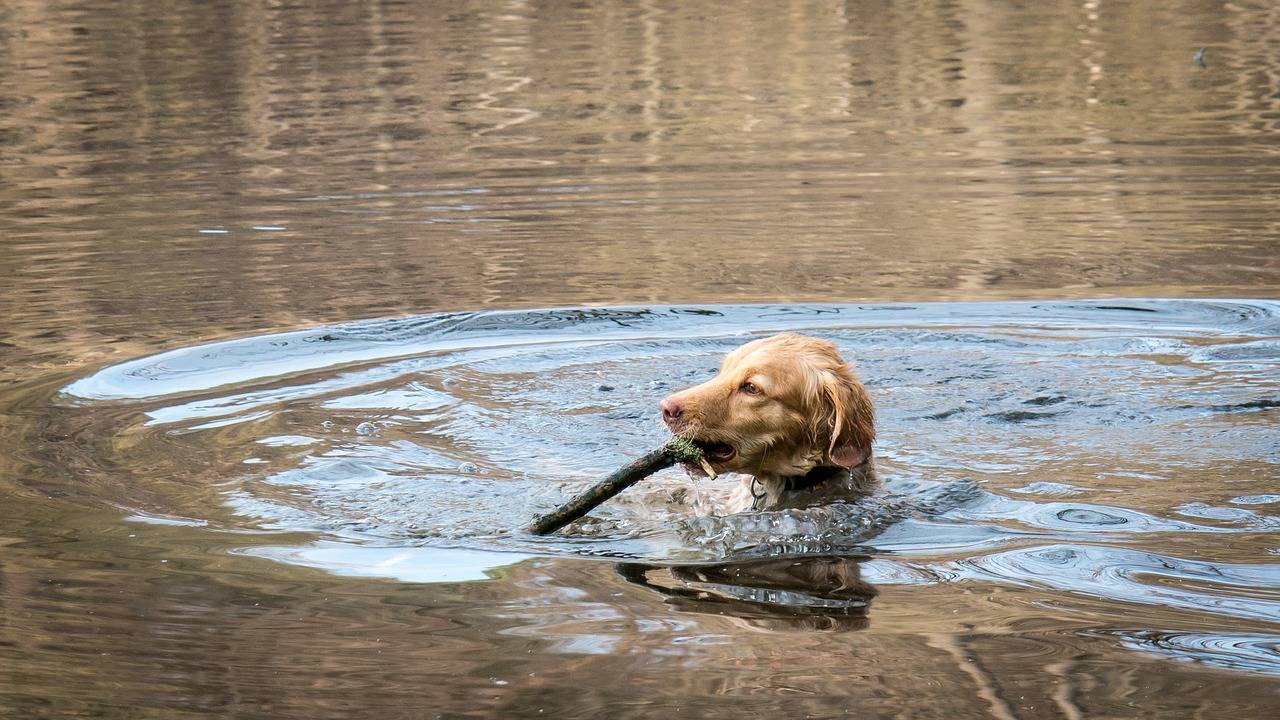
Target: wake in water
x: 1085, y: 448
x: 457, y: 428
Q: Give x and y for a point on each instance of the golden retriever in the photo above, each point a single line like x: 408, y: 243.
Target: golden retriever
x: 790, y: 413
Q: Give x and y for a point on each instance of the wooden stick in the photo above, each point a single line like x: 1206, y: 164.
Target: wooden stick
x: 677, y: 450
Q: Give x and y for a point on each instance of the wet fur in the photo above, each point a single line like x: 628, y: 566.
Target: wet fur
x: 803, y: 437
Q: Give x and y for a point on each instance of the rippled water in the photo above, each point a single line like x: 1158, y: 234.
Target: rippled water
x: 1105, y: 443
x: 457, y: 427
x: 274, y: 408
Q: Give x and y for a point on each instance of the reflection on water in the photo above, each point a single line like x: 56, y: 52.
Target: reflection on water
x: 1232, y: 651
x: 315, y: 520
x: 363, y: 160
x: 404, y: 563
x: 803, y: 593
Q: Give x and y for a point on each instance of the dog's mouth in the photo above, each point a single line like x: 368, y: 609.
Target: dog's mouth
x: 717, y: 453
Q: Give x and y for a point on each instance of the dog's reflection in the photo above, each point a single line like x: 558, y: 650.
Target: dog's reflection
x: 787, y: 593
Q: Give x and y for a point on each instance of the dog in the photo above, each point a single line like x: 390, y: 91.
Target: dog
x: 788, y: 412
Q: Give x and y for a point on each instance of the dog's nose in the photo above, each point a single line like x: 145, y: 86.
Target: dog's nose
x: 671, y: 410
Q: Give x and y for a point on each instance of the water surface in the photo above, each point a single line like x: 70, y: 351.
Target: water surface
x: 276, y: 396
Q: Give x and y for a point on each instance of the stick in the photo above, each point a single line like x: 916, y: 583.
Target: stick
x: 677, y: 450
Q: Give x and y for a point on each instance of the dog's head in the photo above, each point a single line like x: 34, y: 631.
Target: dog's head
x: 779, y: 407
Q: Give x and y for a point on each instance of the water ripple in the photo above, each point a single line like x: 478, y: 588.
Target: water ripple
x: 1246, y: 652
x: 416, y: 448
x: 457, y: 427
x: 1138, y: 577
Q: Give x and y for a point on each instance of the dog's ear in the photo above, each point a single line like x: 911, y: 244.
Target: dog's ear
x: 849, y: 418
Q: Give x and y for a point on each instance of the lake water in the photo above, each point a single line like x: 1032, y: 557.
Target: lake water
x: 308, y: 308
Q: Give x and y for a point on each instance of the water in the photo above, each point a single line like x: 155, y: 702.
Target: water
x: 274, y: 406
x: 458, y: 427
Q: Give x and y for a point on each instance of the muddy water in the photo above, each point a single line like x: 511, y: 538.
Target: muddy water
x: 274, y: 403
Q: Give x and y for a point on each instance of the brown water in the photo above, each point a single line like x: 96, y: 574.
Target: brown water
x: 304, y: 509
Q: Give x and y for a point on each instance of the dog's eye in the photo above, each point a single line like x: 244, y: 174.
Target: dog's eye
x: 749, y: 388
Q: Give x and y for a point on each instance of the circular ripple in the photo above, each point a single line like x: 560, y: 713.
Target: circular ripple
x: 1243, y: 652
x: 457, y: 428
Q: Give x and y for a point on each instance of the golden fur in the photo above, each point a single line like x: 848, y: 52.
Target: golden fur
x: 788, y: 411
